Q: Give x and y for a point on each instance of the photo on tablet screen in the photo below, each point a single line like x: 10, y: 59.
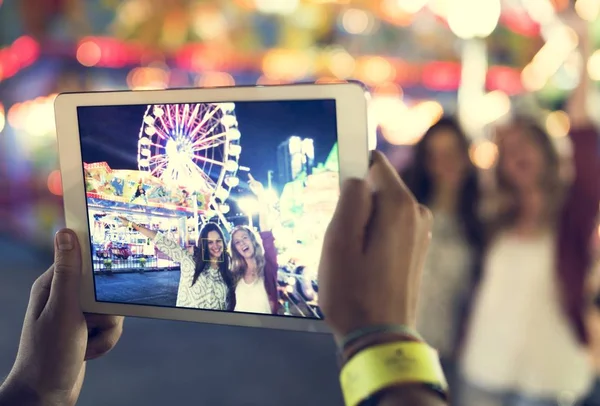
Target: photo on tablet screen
x: 214, y: 206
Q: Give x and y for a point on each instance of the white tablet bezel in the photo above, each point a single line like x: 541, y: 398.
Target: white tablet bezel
x: 352, y: 129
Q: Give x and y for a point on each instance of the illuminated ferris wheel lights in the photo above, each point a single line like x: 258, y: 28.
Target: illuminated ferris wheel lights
x: 227, y: 107
x: 224, y: 208
x: 235, y: 149
x: 222, y: 194
x: 231, y: 166
x: 190, y: 145
x: 233, y: 134
x: 158, y: 112
x: 232, y: 181
x: 229, y: 120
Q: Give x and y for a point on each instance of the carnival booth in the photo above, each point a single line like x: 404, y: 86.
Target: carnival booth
x: 144, y: 199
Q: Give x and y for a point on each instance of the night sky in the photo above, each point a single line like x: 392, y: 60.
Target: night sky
x: 110, y: 133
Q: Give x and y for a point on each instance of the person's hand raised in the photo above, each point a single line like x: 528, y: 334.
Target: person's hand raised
x: 373, y: 253
x: 256, y: 187
x: 57, y: 337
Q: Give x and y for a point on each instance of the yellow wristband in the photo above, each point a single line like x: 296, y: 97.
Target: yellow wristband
x: 377, y: 368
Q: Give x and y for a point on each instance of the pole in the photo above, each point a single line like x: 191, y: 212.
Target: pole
x: 473, y: 80
x: 270, y: 179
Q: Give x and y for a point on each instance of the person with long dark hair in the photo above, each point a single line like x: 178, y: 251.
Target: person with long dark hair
x: 443, y: 178
x: 205, y: 281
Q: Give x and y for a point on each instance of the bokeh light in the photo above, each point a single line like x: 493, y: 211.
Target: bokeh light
x: 558, y: 124
x: 2, y: 117
x: 588, y: 10
x: 474, y: 18
x: 216, y: 79
x: 89, y: 53
x: 484, y: 154
x: 356, y: 21
x: 341, y: 64
x: 593, y: 66
x: 284, y: 7
x: 55, y: 183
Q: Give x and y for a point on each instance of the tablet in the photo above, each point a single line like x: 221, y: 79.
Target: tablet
x: 208, y: 205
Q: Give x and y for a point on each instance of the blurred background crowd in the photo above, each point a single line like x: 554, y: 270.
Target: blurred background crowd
x: 481, y: 105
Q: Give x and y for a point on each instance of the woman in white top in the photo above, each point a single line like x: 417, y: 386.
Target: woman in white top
x: 205, y: 280
x: 442, y: 177
x: 254, y: 262
x: 526, y: 339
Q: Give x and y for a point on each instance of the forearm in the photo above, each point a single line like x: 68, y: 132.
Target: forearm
x: 577, y: 105
x: 144, y: 231
x: 264, y: 219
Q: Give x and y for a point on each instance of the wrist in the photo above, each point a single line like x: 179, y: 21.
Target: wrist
x: 370, y: 341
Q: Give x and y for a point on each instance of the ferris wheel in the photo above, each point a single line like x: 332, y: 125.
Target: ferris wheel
x: 195, y: 146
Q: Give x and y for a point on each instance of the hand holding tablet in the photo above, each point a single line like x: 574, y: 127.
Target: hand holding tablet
x: 225, y: 192
x: 383, y: 206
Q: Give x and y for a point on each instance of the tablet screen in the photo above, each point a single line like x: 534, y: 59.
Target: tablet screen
x: 213, y: 206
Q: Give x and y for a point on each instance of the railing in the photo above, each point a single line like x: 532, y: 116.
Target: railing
x: 134, y: 264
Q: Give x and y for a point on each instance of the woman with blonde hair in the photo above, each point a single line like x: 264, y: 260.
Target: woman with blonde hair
x: 254, y: 263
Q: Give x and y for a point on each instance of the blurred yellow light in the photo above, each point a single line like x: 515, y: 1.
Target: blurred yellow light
x: 2, y: 117
x: 287, y: 65
x: 210, y: 24
x: 474, y: 18
x: 593, y: 66
x: 440, y: 8
x: 356, y: 21
x: 389, y: 89
x: 589, y: 10
x: 133, y: 12
x: 148, y: 78
x: 412, y: 6
x: 216, y: 79
x: 342, y: 64
x: 284, y: 7
x: 484, y: 154
x: 378, y: 70
x: 558, y: 124
x: 289, y: 289
x: 265, y: 81
x: 542, y: 11
x: 532, y: 79
x: 89, y: 53
x: 490, y: 108
x: 401, y: 125
x: 14, y: 115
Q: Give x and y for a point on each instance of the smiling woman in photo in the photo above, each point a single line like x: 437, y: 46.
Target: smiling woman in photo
x: 254, y: 266
x: 205, y: 281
